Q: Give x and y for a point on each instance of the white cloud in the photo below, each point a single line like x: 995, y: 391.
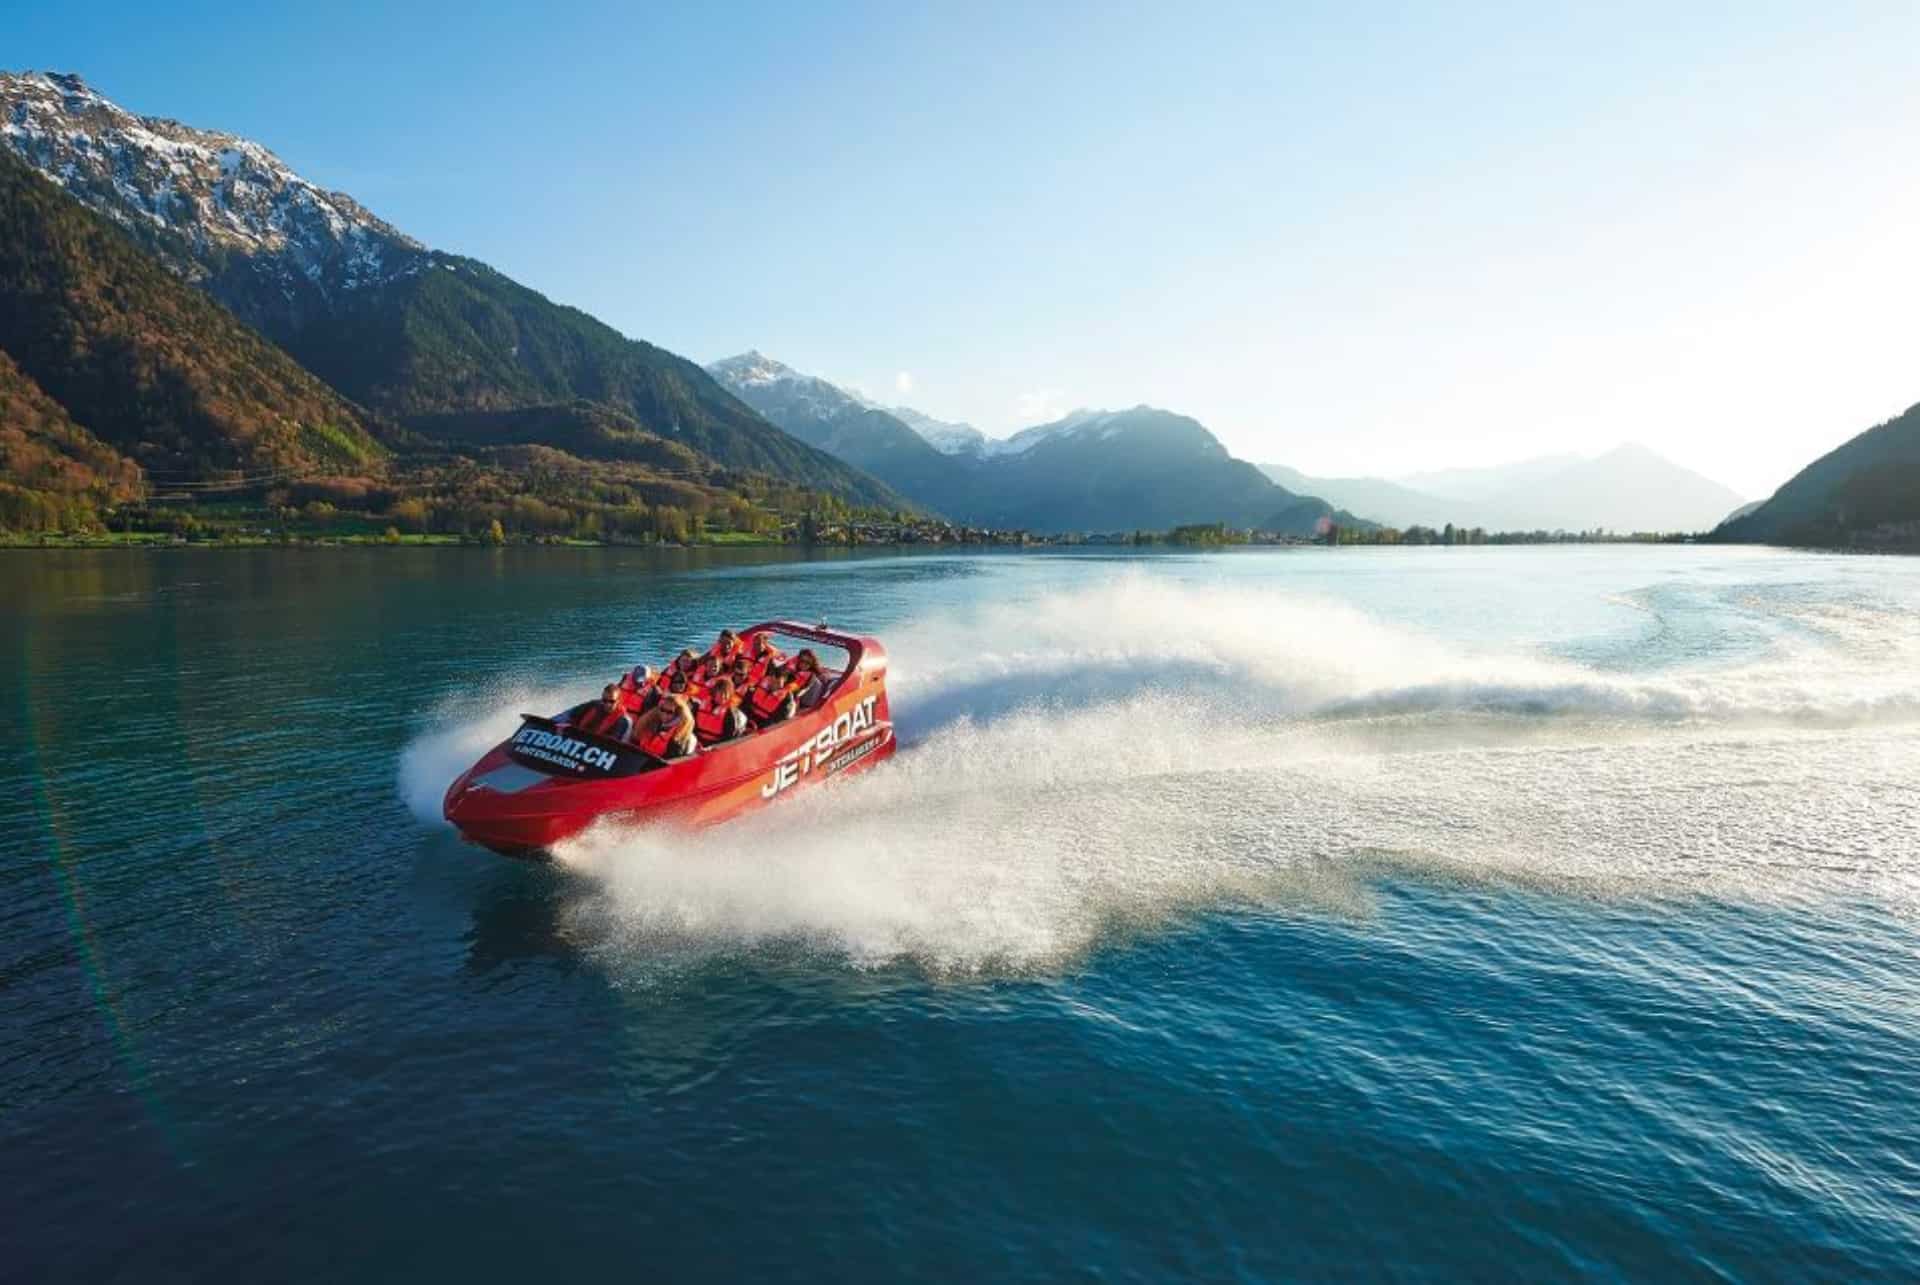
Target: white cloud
x: 1040, y: 406
x: 903, y: 382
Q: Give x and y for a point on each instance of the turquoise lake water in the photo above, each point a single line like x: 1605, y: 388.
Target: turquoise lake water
x: 1432, y: 914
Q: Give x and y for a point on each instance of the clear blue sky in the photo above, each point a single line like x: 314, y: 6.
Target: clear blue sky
x: 1354, y: 240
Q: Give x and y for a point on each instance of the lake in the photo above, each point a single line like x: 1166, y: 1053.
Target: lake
x: 1492, y: 913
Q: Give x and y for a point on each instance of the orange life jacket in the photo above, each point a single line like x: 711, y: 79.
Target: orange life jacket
x: 715, y: 723
x: 668, y: 738
x: 763, y: 703
x: 599, y: 720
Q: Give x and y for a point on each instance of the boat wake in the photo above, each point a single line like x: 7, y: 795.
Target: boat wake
x: 1115, y: 759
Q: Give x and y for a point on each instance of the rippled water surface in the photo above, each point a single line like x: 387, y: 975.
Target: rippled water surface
x: 1475, y: 913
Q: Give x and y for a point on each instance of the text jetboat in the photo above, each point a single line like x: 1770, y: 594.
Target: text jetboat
x: 549, y: 781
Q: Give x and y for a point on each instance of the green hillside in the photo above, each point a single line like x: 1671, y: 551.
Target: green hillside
x: 53, y: 473
x: 149, y: 366
x: 587, y: 430
x: 1865, y: 493
x: 458, y: 337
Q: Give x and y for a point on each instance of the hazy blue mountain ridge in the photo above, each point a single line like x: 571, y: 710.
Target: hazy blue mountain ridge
x: 1627, y: 489
x: 1139, y: 469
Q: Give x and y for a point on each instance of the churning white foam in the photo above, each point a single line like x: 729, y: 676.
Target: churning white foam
x: 1107, y: 760
x: 1285, y: 656
x: 454, y: 735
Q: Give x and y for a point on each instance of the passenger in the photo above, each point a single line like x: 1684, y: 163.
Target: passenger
x: 606, y: 717
x: 639, y: 691
x: 666, y: 731
x: 720, y: 718
x: 680, y: 738
x: 810, y: 686
x: 763, y: 655
x: 742, y: 675
x: 725, y: 649
x: 686, y: 663
x: 771, y: 700
x: 698, y: 681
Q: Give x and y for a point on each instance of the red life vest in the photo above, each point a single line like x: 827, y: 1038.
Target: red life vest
x: 664, y: 742
x: 662, y: 746
x: 599, y: 720
x: 714, y: 723
x: 764, y: 703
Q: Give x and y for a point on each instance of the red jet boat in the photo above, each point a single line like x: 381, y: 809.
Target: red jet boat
x: 549, y: 781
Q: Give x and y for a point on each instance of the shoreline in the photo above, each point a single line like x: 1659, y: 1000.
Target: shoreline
x: 150, y: 544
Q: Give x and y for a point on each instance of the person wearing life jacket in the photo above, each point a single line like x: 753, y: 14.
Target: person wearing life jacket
x: 742, y: 676
x: 672, y: 684
x: 810, y: 684
x: 771, y: 700
x: 638, y: 691
x: 719, y: 718
x: 666, y: 730
x: 684, y: 669
x: 685, y: 664
x: 725, y: 649
x: 763, y: 655
x: 699, y: 682
x: 606, y: 717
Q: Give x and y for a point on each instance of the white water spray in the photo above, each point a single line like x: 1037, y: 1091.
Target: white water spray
x: 1107, y: 760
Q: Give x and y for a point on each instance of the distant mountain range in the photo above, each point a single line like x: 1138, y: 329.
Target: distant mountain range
x: 1865, y: 493
x: 843, y: 425
x: 1628, y: 489
x: 1090, y: 471
x: 1488, y: 481
x: 178, y: 308
x: 422, y: 338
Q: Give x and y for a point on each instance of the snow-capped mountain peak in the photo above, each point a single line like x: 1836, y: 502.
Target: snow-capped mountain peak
x: 753, y: 368
x: 1105, y: 425
x: 946, y: 436
x: 218, y: 192
x: 783, y: 393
